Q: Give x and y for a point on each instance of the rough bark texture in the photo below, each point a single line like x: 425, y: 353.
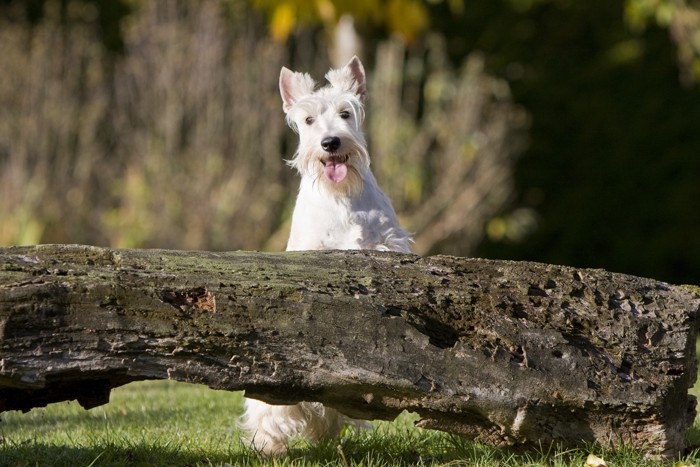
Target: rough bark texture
x: 510, y: 353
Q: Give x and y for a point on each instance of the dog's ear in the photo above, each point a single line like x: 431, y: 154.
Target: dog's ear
x: 355, y: 69
x: 293, y: 87
x: 350, y: 78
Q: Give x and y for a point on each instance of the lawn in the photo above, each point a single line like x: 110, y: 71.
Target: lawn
x: 169, y: 423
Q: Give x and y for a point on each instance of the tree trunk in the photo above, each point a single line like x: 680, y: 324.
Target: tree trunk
x: 510, y: 353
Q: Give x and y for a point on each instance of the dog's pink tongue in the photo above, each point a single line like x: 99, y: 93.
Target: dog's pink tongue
x: 335, y: 171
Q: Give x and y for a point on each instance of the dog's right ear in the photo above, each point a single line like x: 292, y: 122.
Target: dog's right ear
x: 293, y: 87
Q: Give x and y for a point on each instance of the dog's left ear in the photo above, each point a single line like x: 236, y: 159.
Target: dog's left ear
x: 357, y: 71
x: 350, y: 78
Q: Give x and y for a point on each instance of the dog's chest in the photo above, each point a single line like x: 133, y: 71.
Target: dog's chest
x: 324, y: 227
x: 342, y: 235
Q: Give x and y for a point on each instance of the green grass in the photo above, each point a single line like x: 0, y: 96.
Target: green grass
x: 168, y: 423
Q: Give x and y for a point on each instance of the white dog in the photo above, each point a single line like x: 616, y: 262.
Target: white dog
x: 339, y: 206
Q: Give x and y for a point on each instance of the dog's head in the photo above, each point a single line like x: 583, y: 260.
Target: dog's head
x: 332, y: 149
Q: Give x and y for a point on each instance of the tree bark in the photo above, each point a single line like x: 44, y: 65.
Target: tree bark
x: 509, y: 353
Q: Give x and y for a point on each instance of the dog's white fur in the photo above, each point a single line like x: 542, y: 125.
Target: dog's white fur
x: 339, y: 206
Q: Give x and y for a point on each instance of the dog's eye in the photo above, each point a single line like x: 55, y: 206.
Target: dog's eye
x: 309, y: 120
x: 344, y: 114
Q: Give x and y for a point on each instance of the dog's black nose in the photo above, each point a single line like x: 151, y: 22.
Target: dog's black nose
x: 330, y: 143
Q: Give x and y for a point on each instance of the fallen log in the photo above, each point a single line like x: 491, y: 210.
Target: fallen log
x: 513, y: 354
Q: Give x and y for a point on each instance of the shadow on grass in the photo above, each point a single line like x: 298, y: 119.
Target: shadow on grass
x: 363, y: 450
x: 42, y: 454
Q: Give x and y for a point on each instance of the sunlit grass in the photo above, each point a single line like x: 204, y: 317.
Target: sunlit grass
x: 168, y: 423
x: 149, y: 422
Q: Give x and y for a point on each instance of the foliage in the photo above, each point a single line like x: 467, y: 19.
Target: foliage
x: 683, y: 22
x: 407, y: 18
x: 610, y: 168
x: 142, y: 149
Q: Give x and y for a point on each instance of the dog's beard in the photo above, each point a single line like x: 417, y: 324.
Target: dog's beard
x: 341, y: 173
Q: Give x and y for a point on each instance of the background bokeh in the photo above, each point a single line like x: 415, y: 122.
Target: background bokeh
x: 562, y: 131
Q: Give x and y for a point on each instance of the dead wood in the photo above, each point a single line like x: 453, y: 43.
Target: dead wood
x: 510, y: 353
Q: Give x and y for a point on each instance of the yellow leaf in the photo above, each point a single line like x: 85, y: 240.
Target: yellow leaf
x: 283, y: 20
x: 408, y: 18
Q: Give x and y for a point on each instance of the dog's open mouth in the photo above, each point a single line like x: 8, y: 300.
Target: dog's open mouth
x: 335, y: 167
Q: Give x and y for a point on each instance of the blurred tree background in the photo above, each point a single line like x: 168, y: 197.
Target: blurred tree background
x: 562, y: 131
